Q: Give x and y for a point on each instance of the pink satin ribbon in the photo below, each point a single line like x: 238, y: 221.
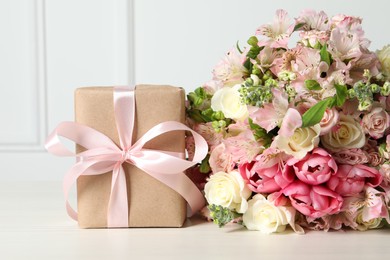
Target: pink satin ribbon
x: 103, y: 155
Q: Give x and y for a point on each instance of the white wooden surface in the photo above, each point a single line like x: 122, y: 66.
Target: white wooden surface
x: 34, y: 225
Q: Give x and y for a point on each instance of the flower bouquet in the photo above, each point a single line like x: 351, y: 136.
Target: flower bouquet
x: 297, y: 136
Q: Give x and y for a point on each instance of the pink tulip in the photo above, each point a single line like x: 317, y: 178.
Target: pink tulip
x: 315, y: 168
x: 313, y: 201
x: 350, y: 179
x: 265, y: 179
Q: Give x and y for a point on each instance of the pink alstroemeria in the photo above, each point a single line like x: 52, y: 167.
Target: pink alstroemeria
x: 372, y: 202
x: 278, y: 33
x: 243, y: 147
x: 270, y: 115
x: 312, y: 20
x: 344, y: 46
x: 313, y: 201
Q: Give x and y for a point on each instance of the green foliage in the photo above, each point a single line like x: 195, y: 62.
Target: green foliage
x: 314, y: 115
x: 260, y: 133
x: 341, y: 94
x: 221, y: 215
x: 205, y: 166
x: 312, y: 84
x: 325, y: 55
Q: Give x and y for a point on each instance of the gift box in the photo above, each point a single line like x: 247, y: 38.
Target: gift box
x: 150, y: 202
x: 130, y: 157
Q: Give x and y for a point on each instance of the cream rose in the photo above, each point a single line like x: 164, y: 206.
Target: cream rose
x: 227, y: 190
x: 300, y: 143
x: 384, y: 58
x: 229, y: 102
x: 348, y: 134
x: 264, y: 216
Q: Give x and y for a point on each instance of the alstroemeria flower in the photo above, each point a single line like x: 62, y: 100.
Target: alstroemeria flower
x: 243, y: 147
x: 278, y: 33
x: 343, y: 45
x: 220, y: 159
x: 230, y: 70
x: 270, y: 115
x: 312, y: 20
x: 368, y: 208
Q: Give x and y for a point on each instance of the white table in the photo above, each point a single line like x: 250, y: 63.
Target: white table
x: 34, y: 225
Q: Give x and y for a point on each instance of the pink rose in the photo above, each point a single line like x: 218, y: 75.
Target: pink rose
x: 313, y: 201
x: 351, y: 156
x: 315, y: 168
x: 220, y: 160
x: 350, y: 179
x: 329, y: 120
x: 265, y: 178
x: 376, y: 122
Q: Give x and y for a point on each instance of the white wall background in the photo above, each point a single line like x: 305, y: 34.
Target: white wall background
x: 50, y: 47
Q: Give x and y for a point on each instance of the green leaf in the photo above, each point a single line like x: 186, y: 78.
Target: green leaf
x: 238, y: 48
x: 341, y: 94
x: 205, y: 166
x: 312, y: 84
x: 325, y: 56
x: 314, y: 115
x: 298, y: 26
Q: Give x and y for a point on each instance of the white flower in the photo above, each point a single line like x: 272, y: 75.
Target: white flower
x: 264, y: 216
x: 230, y: 70
x: 227, y: 190
x: 384, y: 58
x: 369, y: 224
x: 347, y: 134
x: 229, y: 102
x: 300, y: 143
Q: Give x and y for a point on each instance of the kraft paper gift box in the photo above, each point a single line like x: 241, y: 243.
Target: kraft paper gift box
x: 151, y: 203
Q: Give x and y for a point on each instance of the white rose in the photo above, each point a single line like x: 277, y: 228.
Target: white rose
x: 384, y: 58
x: 264, y: 216
x: 347, y: 134
x: 229, y: 102
x: 300, y: 143
x: 227, y: 190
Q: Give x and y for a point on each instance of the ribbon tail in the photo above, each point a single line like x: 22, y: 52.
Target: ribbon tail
x: 185, y: 187
x: 70, y: 178
x: 118, y: 209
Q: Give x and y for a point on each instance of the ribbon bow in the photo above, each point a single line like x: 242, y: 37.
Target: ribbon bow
x: 103, y: 155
